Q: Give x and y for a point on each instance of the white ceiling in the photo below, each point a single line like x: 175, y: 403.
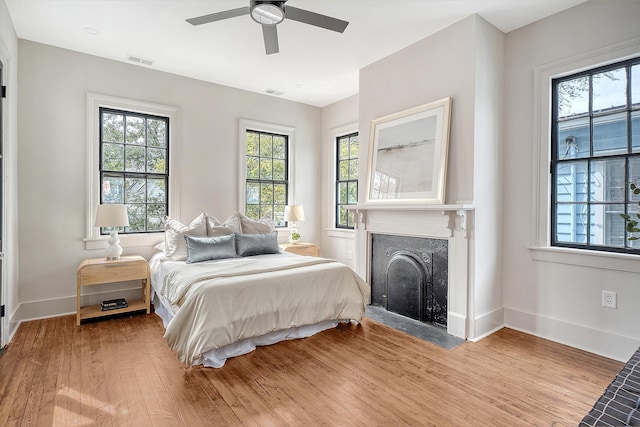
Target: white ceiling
x: 314, y: 66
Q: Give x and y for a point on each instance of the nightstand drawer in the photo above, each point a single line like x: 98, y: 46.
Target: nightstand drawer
x: 92, y: 274
x: 308, y: 249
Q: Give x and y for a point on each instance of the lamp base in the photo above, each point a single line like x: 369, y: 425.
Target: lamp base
x: 114, y: 250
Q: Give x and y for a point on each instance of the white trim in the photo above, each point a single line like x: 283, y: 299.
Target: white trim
x: 335, y: 133
x: 243, y: 125
x: 4, y: 289
x: 343, y: 233
x: 93, y: 240
x: 541, y: 155
x: 584, y: 258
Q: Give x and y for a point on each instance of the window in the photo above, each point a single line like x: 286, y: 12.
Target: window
x: 595, y: 154
x: 267, y: 175
x: 134, y: 166
x: 347, y: 152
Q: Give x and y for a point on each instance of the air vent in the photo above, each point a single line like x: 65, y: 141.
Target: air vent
x: 274, y: 92
x: 140, y: 60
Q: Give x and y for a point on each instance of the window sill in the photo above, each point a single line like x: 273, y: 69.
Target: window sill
x: 126, y: 240
x: 584, y: 258
x: 342, y: 233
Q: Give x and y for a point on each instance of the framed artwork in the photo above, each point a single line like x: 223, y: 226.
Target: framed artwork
x: 408, y: 155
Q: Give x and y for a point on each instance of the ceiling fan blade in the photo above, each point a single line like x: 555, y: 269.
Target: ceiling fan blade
x: 316, y: 19
x: 205, y: 19
x: 270, y: 34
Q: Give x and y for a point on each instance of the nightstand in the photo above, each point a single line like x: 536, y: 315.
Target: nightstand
x: 97, y: 271
x: 308, y: 249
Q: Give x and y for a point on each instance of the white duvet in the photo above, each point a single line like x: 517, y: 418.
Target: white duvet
x: 217, y: 303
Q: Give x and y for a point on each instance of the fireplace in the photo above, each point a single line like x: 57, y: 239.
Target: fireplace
x: 409, y: 276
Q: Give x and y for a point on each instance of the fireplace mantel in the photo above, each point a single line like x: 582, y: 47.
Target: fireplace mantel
x: 460, y: 210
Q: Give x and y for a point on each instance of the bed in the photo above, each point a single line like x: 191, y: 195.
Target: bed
x: 214, y: 309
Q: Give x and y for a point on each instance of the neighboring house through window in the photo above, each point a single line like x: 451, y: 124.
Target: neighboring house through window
x: 265, y: 150
x: 595, y: 155
x: 347, y: 164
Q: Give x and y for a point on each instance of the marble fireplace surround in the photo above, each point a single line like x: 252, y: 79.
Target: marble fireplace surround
x: 450, y: 222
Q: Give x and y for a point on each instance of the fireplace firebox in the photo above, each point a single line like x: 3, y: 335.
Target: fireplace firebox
x: 409, y: 276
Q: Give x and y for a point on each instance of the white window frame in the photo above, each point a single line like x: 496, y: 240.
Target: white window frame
x: 93, y: 239
x: 243, y: 126
x: 336, y: 133
x: 541, y: 249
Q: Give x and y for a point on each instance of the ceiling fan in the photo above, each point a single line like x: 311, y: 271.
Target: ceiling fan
x: 269, y: 14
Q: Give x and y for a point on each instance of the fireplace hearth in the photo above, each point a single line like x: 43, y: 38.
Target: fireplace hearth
x: 409, y: 276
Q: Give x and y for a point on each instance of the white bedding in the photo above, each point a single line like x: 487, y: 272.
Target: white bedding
x: 219, y: 309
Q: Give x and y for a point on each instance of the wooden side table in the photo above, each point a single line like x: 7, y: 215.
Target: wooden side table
x: 308, y: 249
x: 96, y: 271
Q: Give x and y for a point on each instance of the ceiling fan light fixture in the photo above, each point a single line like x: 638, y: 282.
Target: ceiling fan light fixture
x: 267, y: 13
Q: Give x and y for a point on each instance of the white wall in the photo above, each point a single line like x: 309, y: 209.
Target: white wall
x: 53, y: 87
x: 557, y: 294
x: 9, y: 290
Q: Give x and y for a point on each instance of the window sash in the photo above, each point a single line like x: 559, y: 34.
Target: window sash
x: 345, y: 219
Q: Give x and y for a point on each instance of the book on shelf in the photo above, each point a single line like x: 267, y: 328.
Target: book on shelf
x: 113, y: 304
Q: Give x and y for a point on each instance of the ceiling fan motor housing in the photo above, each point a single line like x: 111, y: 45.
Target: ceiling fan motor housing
x: 267, y: 12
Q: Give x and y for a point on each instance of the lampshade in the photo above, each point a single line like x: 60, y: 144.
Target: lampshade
x: 112, y: 216
x: 294, y: 213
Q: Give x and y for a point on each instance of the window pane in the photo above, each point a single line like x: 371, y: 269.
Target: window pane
x: 633, y: 210
x: 607, y: 180
x: 635, y: 131
x: 278, y: 215
x: 573, y: 139
x: 573, y: 97
x: 571, y: 182
x: 635, y: 84
x: 342, y: 193
x: 279, y: 145
x: 134, y: 158
x: 156, y: 160
x: 609, y: 90
x: 571, y: 223
x: 351, y: 219
x: 634, y: 177
x: 354, y: 148
x: 253, y: 193
x: 266, y: 193
x: 607, y: 227
x: 343, y: 170
x: 137, y: 218
x: 135, y: 190
x: 352, y: 190
x: 266, y: 211
x: 155, y: 217
x: 279, y: 170
x: 253, y: 148
x: 280, y: 195
x: 112, y: 157
x: 253, y: 164
x: 342, y: 216
x: 156, y: 190
x: 135, y: 130
x: 112, y: 127
x: 343, y: 148
x: 353, y: 169
x: 610, y: 134
x: 266, y: 168
x: 112, y: 189
x: 266, y: 145
x: 156, y: 133
x: 252, y: 211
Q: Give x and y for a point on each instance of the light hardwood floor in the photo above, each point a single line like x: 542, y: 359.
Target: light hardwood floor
x: 120, y: 372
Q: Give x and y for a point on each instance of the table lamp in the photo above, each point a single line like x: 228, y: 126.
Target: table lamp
x: 293, y: 213
x: 112, y: 216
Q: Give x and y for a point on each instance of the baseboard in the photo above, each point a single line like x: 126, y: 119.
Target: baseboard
x: 487, y: 324
x: 456, y: 325
x: 33, y: 310
x: 603, y: 343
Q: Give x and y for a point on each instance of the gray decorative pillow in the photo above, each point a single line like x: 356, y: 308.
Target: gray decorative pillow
x: 207, y: 248
x: 257, y: 244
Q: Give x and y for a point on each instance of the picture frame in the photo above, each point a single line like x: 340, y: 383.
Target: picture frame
x: 408, y: 154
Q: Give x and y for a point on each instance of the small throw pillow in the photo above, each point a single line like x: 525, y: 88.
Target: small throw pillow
x: 174, y: 231
x: 257, y: 244
x: 251, y: 226
x: 233, y: 222
x: 208, y: 248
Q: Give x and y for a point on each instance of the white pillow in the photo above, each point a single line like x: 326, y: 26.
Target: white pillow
x: 174, y: 231
x: 233, y: 223
x: 261, y: 226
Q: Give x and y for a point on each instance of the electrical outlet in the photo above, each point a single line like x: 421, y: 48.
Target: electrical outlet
x: 609, y: 299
